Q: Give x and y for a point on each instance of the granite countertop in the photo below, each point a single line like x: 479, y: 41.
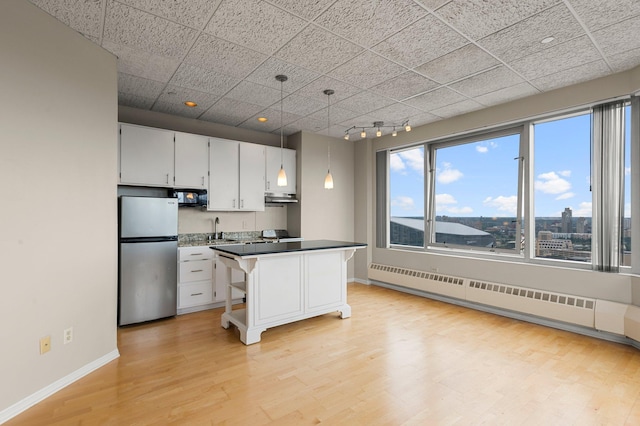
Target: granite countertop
x: 250, y: 250
x: 206, y: 239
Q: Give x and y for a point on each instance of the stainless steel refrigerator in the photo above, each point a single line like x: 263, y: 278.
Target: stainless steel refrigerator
x: 148, y: 259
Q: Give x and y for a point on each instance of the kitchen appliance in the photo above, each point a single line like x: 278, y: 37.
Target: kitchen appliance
x: 148, y: 258
x: 191, y: 198
x: 279, y: 236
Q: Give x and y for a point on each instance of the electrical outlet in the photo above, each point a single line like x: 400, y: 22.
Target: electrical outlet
x: 45, y: 345
x: 68, y: 335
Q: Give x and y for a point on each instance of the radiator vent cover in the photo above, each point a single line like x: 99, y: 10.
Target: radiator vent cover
x: 545, y: 296
x: 546, y: 304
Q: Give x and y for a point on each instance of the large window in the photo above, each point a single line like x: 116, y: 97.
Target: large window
x: 526, y: 191
x: 406, y: 190
x: 562, y: 184
x: 476, y: 193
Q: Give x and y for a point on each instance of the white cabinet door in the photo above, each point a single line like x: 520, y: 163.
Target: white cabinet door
x: 223, y: 176
x: 273, y: 163
x: 251, y: 177
x: 146, y: 156
x: 191, y: 161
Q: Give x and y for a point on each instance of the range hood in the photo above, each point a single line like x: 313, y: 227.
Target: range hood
x: 280, y: 198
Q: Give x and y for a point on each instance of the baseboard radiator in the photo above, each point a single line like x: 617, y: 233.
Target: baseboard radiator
x: 556, y: 306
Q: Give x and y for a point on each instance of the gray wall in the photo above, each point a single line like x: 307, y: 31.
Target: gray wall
x: 615, y: 287
x: 58, y: 117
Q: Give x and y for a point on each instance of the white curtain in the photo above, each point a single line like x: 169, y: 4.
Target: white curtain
x: 607, y: 185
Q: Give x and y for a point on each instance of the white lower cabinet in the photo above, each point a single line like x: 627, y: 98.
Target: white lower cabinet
x: 195, y: 277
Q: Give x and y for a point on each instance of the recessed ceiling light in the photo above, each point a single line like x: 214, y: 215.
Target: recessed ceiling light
x: 547, y: 40
x: 262, y: 119
x: 191, y: 104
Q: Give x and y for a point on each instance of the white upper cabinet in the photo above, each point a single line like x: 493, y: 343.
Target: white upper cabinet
x: 273, y: 163
x: 191, y: 161
x: 236, y: 178
x: 146, y: 156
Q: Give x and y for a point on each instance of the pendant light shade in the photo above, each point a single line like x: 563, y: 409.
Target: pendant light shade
x: 328, y: 179
x: 282, y: 175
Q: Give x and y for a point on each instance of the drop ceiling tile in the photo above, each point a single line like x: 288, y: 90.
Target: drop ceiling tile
x: 625, y: 60
x: 192, y: 13
x: 178, y: 95
x: 457, y: 109
x: 130, y: 100
x: 557, y: 58
x: 620, y: 37
x: 305, y: 9
x: 599, y: 14
x: 308, y: 124
x: 142, y: 64
x: 83, y: 16
x: 297, y: 77
x: 572, y: 76
x: 177, y: 109
x: 525, y: 37
x: 273, y: 116
x: 364, y: 102
x: 479, y: 18
x: 143, y: 31
x: 367, y: 22
x: 420, y: 42
x: 366, y: 70
x: 338, y: 115
x: 231, y: 111
x: 432, y: 4
x: 254, y: 24
x: 395, y: 114
x: 316, y: 88
x: 318, y: 50
x: 435, y: 99
x: 405, y: 85
x: 507, y: 94
x: 139, y: 86
x: 458, y: 64
x: 254, y: 93
x: 202, y: 80
x: 422, y: 119
x: 272, y: 125
x: 487, y: 81
x: 224, y: 57
x: 301, y: 105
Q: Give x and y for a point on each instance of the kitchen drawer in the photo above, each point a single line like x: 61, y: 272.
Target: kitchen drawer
x: 195, y: 253
x: 196, y: 270
x: 193, y: 294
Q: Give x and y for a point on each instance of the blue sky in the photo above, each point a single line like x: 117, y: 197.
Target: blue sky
x: 480, y: 179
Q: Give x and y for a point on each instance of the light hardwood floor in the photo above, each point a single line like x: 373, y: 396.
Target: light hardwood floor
x: 400, y: 359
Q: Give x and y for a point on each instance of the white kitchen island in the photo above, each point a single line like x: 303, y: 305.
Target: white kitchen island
x: 286, y: 282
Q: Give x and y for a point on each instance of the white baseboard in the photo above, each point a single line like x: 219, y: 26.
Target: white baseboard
x: 54, y: 387
x: 360, y: 281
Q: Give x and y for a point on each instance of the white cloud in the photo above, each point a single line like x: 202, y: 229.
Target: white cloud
x: 627, y: 210
x: 584, y: 210
x: 551, y: 183
x: 405, y: 203
x: 565, y: 173
x: 396, y: 164
x: 414, y: 158
x: 459, y: 210
x: 627, y: 171
x: 507, y: 204
x: 482, y: 149
x: 565, y: 196
x: 448, y: 175
x: 445, y: 199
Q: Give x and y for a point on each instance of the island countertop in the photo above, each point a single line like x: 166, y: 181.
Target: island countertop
x: 252, y: 250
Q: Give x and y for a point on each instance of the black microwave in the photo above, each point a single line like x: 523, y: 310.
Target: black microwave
x: 191, y: 198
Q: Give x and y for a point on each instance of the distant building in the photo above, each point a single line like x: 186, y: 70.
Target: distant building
x: 410, y: 231
x: 566, y: 221
x: 581, y: 225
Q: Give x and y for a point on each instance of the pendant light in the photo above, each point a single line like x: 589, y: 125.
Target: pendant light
x: 328, y: 180
x: 282, y: 175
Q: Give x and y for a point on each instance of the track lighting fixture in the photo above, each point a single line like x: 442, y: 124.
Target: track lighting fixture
x: 378, y: 125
